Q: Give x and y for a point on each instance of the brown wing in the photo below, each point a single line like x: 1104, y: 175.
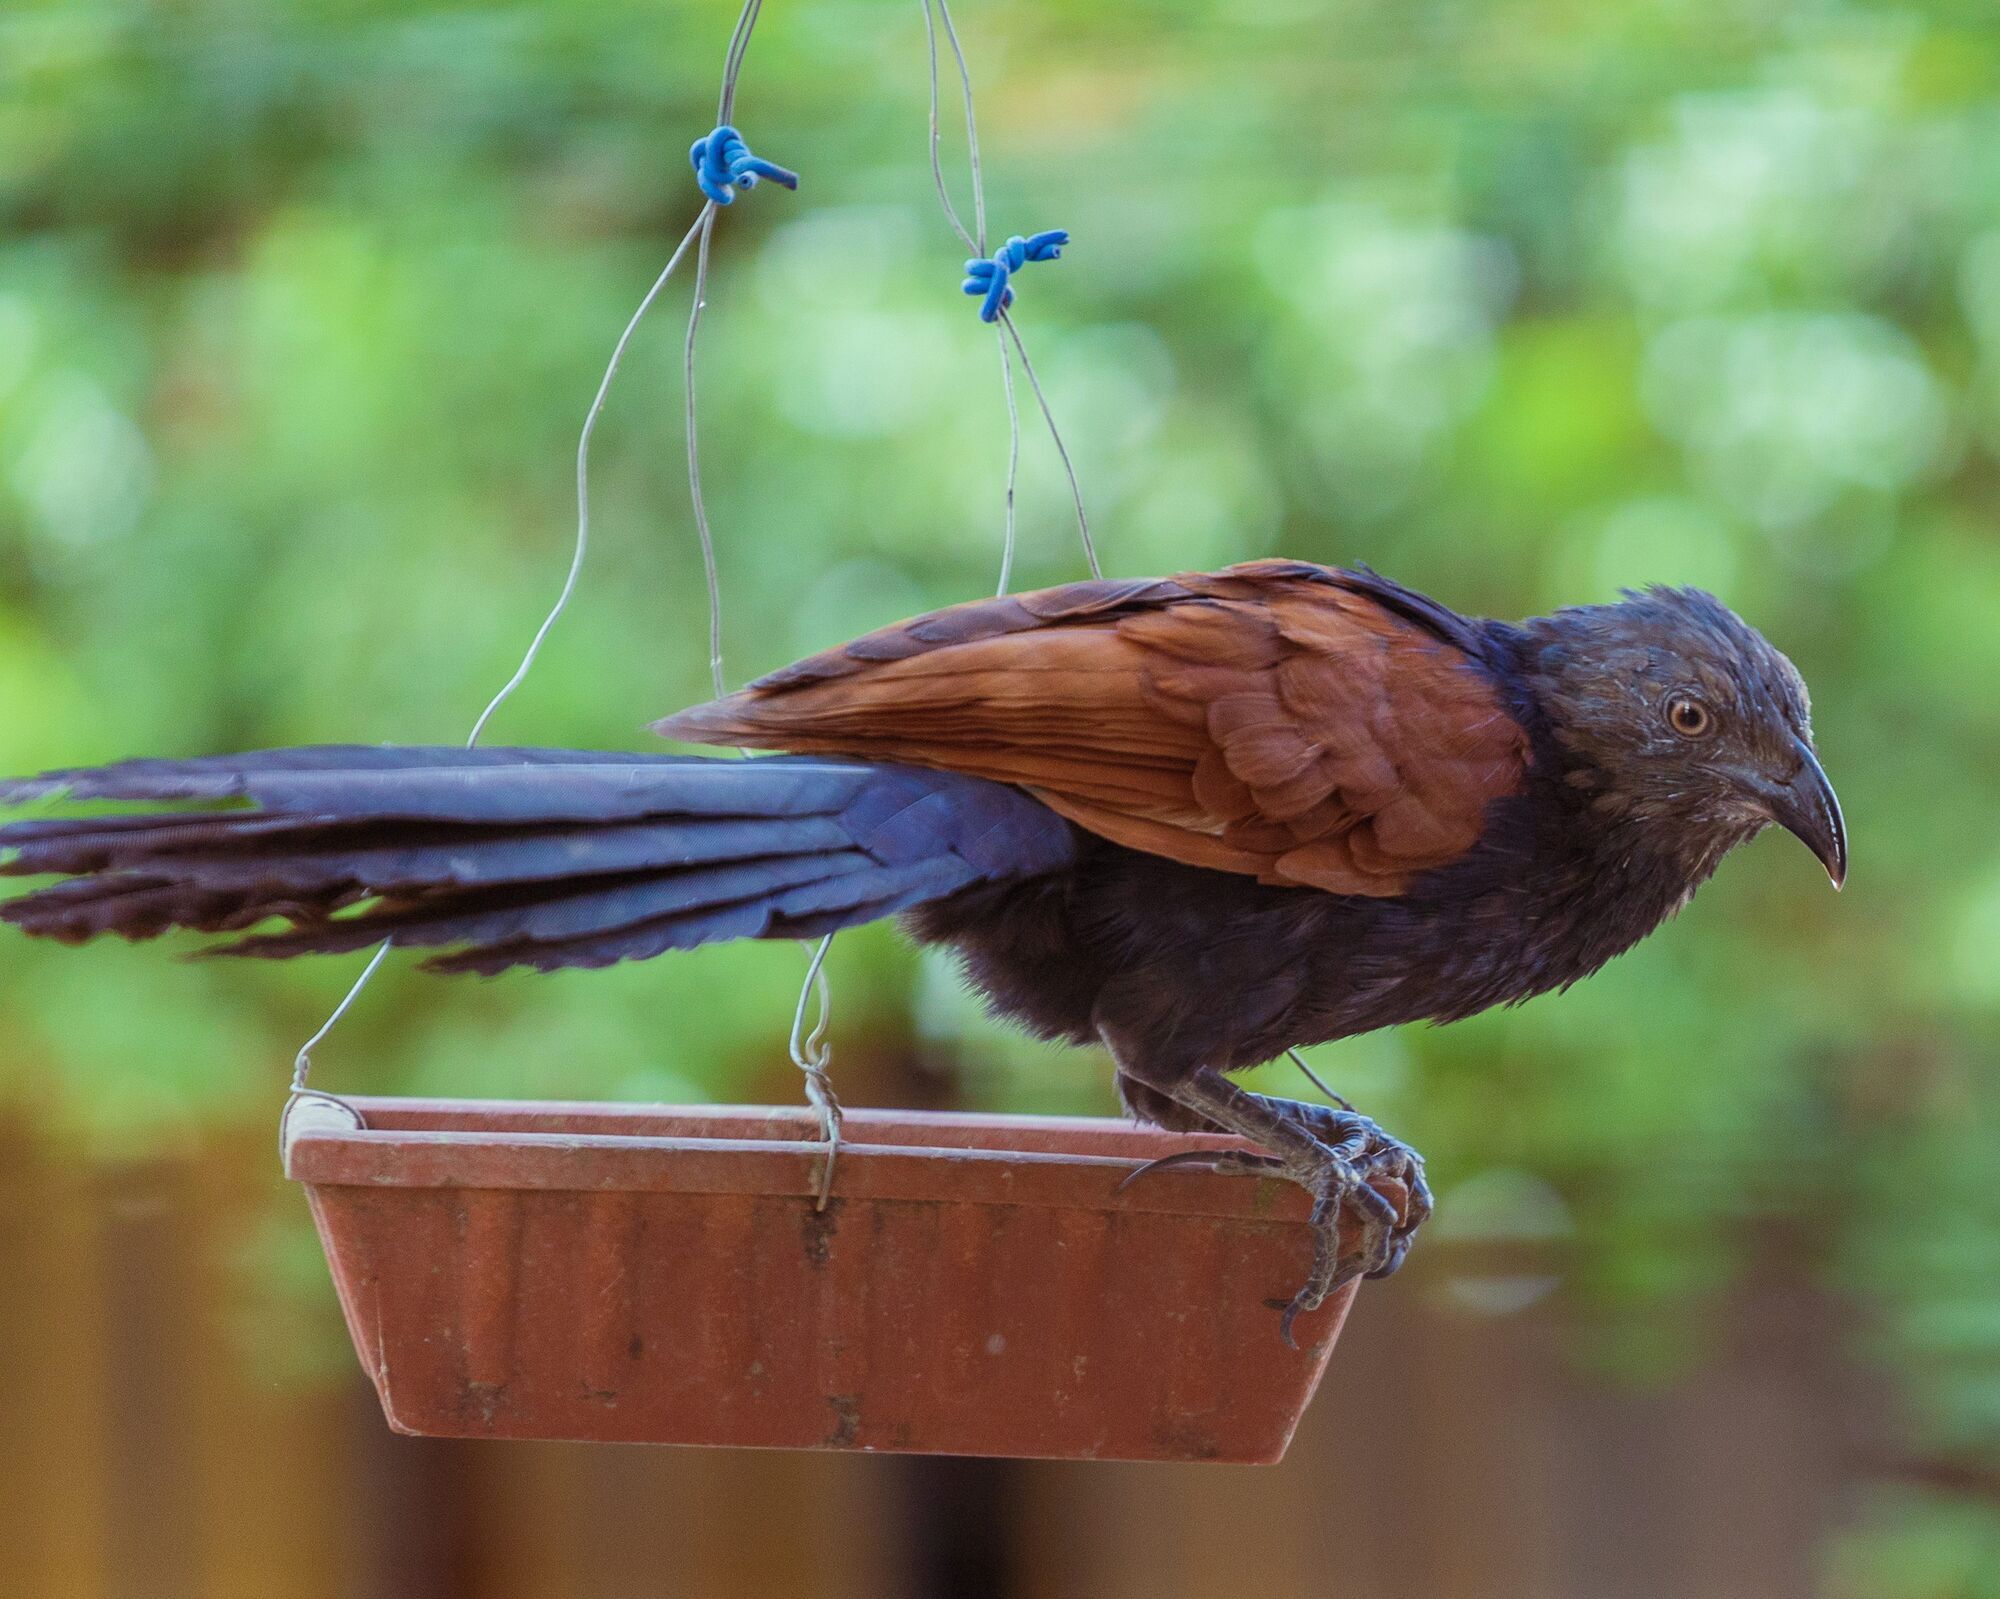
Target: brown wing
x: 1303, y: 725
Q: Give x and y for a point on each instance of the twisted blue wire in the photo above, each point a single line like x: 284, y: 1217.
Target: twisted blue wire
x: 992, y: 277
x: 723, y: 164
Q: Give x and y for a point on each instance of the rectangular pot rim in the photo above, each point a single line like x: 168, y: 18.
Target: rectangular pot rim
x: 950, y: 1157
x: 942, y: 1127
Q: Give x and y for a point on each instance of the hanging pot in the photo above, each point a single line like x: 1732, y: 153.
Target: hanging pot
x: 976, y: 1285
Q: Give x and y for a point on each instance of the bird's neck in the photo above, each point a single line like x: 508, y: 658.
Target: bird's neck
x: 1610, y: 876
x: 1653, y: 868
x: 1578, y: 889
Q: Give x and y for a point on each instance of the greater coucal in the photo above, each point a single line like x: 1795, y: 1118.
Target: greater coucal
x: 1199, y: 820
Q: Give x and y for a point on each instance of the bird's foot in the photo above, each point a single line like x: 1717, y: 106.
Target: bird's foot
x: 1334, y: 1155
x: 1377, y: 1155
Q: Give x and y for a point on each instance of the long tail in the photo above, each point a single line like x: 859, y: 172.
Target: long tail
x: 510, y: 857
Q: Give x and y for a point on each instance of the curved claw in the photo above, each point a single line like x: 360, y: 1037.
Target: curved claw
x: 1230, y: 1162
x: 1399, y: 1246
x: 1403, y: 1164
x: 1291, y: 1313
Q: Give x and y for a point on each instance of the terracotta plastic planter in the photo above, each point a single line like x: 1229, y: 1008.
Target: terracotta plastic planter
x: 976, y: 1286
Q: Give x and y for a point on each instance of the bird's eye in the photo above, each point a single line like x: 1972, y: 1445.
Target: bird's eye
x: 1689, y: 718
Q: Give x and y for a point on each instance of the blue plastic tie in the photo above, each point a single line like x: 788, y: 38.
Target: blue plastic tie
x: 723, y: 164
x: 991, y: 277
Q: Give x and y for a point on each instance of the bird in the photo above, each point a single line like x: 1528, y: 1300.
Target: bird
x: 1198, y: 820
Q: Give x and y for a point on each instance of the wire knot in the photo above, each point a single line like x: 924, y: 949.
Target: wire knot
x: 723, y: 164
x: 990, y: 277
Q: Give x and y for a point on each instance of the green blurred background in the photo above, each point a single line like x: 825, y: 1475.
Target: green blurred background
x: 1519, y: 302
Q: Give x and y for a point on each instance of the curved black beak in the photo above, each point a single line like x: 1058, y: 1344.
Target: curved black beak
x: 1808, y: 808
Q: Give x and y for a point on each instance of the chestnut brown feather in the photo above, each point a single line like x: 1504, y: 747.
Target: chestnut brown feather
x: 1273, y: 719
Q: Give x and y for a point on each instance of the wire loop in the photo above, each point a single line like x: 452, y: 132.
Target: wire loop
x: 991, y: 276
x: 723, y: 164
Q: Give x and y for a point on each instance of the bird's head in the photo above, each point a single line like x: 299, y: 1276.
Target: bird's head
x: 1680, y: 719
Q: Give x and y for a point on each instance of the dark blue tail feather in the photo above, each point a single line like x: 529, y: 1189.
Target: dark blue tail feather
x: 506, y: 857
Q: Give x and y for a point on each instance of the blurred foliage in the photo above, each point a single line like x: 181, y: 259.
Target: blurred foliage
x: 300, y: 308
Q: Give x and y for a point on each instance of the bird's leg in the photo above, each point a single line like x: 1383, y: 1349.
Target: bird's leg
x: 1325, y: 1151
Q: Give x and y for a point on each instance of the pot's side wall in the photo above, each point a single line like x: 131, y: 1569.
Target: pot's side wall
x: 752, y: 1320
x: 354, y: 1281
